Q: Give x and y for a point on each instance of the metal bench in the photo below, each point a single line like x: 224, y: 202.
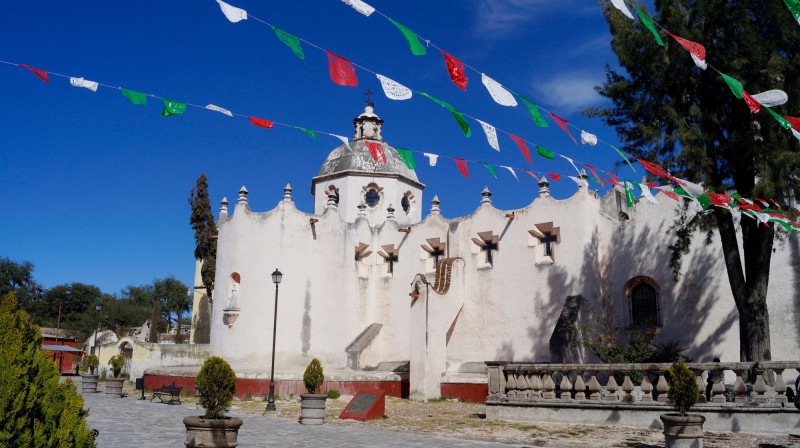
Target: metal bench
x: 173, y: 391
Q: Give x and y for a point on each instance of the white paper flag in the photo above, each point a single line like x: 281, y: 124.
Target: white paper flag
x: 491, y: 134
x: 692, y: 188
x: 511, y: 170
x: 498, y: 92
x: 221, y: 110
x: 360, y: 6
x: 620, y: 4
x: 771, y: 98
x: 700, y: 63
x: 647, y: 194
x: 588, y: 139
x: 761, y: 217
x: 393, y: 89
x: 579, y: 181
x: 432, y: 158
x: 233, y: 13
x: 796, y: 134
x: 571, y: 162
x: 343, y: 139
x: 86, y: 84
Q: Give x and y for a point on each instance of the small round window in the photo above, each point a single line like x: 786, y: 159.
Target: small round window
x: 372, y: 197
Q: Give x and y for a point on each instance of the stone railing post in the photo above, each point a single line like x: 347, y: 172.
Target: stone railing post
x: 535, y: 381
x: 662, y: 387
x: 627, y: 388
x: 548, y: 386
x: 647, y: 388
x: 760, y: 386
x: 739, y: 386
x: 611, y: 387
x: 496, y: 379
x: 580, y: 386
x: 780, y: 386
x: 594, y: 387
x: 566, y: 386
x: 701, y: 385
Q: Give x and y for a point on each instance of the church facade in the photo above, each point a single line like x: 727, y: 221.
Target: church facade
x: 361, y: 286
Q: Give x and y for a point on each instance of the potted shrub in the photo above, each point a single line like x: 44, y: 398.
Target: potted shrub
x: 89, y: 382
x: 682, y: 429
x: 312, y: 404
x: 216, y: 384
x: 114, y: 385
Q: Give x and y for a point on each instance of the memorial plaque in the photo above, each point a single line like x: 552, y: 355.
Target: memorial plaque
x: 366, y: 405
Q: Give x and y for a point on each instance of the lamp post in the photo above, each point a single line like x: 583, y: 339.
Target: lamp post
x: 276, y: 278
x: 97, y: 308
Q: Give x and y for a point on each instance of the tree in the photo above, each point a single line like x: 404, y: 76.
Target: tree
x: 18, y: 278
x: 173, y: 299
x: 35, y: 410
x: 205, y: 232
x: 667, y: 110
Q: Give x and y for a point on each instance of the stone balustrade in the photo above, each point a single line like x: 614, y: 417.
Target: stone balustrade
x: 614, y: 384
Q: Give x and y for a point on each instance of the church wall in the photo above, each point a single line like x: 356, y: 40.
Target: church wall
x: 351, y: 193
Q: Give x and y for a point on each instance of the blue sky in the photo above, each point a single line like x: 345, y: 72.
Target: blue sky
x: 96, y: 188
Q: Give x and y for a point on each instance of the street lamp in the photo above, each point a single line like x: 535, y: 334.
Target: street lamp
x: 276, y: 278
x: 97, y: 308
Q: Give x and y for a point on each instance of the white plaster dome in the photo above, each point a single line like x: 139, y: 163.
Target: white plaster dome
x: 356, y: 157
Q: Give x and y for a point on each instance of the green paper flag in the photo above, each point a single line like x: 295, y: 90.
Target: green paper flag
x: 459, y: 116
x: 705, y: 201
x: 490, y: 168
x: 310, y: 133
x: 291, y: 41
x: 135, y: 97
x: 173, y: 108
x: 629, y: 197
x: 534, y: 111
x: 544, y: 153
x: 407, y: 157
x: 778, y: 118
x: 736, y: 86
x: 794, y: 8
x: 680, y: 191
x: 647, y: 21
x: 622, y: 154
x: 411, y: 37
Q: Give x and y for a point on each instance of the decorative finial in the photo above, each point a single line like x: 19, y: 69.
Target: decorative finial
x: 486, y: 196
x: 243, y: 195
x: 435, y: 205
x: 544, y: 187
x: 223, y: 210
x: 362, y: 209
x: 585, y: 178
x: 391, y: 212
x: 369, y: 101
x: 287, y: 193
x: 332, y: 200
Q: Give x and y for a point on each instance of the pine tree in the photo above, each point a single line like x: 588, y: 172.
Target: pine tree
x: 666, y: 109
x: 205, y: 232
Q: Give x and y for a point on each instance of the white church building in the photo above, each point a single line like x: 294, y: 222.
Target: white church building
x: 361, y: 292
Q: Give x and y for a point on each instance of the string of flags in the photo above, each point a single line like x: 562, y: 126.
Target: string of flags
x: 342, y: 72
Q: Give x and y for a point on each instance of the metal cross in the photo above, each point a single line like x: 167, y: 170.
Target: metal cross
x: 368, y: 94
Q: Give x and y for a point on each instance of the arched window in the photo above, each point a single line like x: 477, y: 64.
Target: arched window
x: 642, y: 294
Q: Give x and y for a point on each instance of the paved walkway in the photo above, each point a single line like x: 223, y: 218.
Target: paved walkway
x: 127, y: 422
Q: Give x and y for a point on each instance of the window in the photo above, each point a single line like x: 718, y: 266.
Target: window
x: 488, y: 243
x: 643, y: 301
x: 405, y: 204
x: 372, y: 198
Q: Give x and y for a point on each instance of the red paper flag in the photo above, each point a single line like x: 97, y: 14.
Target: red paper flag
x: 751, y: 207
x: 562, y: 123
x: 794, y: 121
x: 522, y: 147
x: 456, y: 70
x: 531, y: 173
x: 555, y: 177
x: 42, y: 74
x: 261, y: 122
x: 720, y: 200
x: 657, y: 170
x: 671, y: 195
x: 591, y: 168
x: 376, y: 149
x: 754, y: 105
x: 342, y: 70
x: 692, y: 47
x: 462, y: 166
x: 614, y: 179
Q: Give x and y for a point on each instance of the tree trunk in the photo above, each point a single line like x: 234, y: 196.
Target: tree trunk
x: 749, y: 284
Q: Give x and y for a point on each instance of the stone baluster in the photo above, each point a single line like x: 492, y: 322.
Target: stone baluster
x: 548, y: 386
x: 662, y: 387
x: 740, y: 387
x: 718, y: 389
x: 760, y: 387
x: 535, y: 381
x: 780, y: 387
x: 627, y: 388
x: 523, y: 388
x: 594, y: 387
x: 701, y: 385
x: 611, y: 387
x: 580, y: 387
x: 647, y: 389
x: 566, y: 386
x: 511, y: 385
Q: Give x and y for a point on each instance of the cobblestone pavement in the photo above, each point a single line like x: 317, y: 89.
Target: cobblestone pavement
x: 127, y: 422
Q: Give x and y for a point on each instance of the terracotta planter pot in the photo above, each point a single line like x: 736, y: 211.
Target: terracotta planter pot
x: 683, y: 432
x: 114, y: 387
x: 212, y: 432
x: 312, y: 408
x: 89, y: 384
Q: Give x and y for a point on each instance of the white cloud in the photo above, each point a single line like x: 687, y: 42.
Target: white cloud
x: 502, y: 17
x: 570, y: 92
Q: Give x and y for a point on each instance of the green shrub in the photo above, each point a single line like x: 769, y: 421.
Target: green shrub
x: 334, y: 394
x: 90, y: 363
x: 683, y: 391
x: 216, y: 384
x: 35, y: 410
x: 116, y: 362
x: 313, y: 376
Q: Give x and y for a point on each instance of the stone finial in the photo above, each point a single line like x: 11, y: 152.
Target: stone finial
x: 486, y: 196
x: 287, y: 193
x: 544, y: 187
x: 435, y: 205
x: 223, y: 210
x: 362, y: 209
x: 583, y: 175
x: 391, y: 212
x: 243, y: 195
